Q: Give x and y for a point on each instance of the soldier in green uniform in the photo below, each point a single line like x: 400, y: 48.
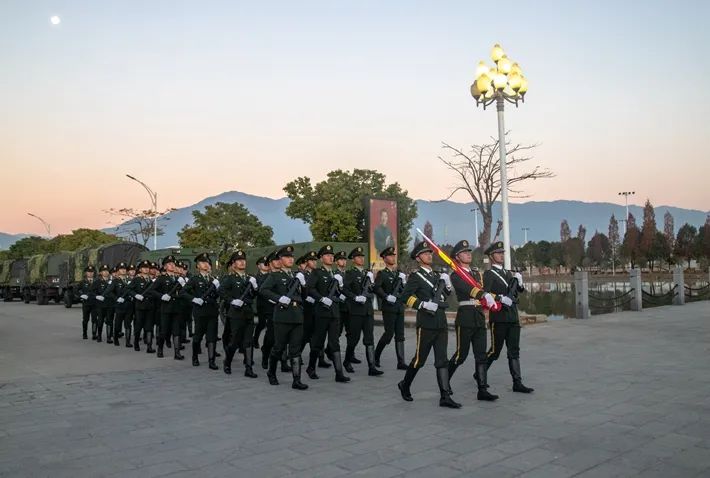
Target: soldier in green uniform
x: 505, y: 324
x: 104, y: 304
x: 470, y: 321
x: 183, y: 306
x: 389, y: 284
x: 116, y: 292
x: 426, y: 292
x: 341, y: 262
x: 88, y: 302
x: 129, y: 318
x: 262, y: 270
x: 203, y: 291
x: 284, y: 289
x: 306, y: 264
x: 358, y: 290
x: 165, y: 292
x: 143, y: 323
x: 238, y: 290
x: 323, y: 285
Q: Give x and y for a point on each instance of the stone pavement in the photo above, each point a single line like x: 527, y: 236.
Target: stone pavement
x: 617, y: 395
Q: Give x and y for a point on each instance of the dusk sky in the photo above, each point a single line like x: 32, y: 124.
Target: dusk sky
x: 197, y: 98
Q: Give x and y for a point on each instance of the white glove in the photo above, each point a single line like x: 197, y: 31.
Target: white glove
x: 403, y: 277
x: 100, y: 298
x: 326, y: 301
x: 371, y: 276
x: 310, y: 300
x: 139, y: 297
x: 391, y: 299
x: 519, y: 276
x: 165, y: 298
x: 284, y: 300
x: 182, y: 281
x: 339, y: 278
x: 198, y: 301
x: 216, y: 283
x: 429, y: 305
x: 447, y: 280
x: 254, y: 284
x: 360, y: 299
x: 342, y: 297
x: 301, y: 278
x: 120, y: 300
x: 489, y: 300
x: 153, y: 280
x: 84, y: 296
x: 506, y: 301
x: 237, y: 303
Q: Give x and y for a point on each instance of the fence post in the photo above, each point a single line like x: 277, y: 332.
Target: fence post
x: 637, y: 286
x: 679, y: 284
x: 581, y: 287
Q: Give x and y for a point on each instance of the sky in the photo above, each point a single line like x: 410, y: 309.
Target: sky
x: 197, y: 98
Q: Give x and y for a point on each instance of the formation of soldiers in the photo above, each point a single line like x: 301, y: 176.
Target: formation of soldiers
x: 311, y: 307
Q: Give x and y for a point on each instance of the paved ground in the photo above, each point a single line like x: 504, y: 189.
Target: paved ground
x: 617, y: 395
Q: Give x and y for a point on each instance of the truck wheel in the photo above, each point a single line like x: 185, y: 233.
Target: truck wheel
x: 7, y: 295
x: 67, y: 299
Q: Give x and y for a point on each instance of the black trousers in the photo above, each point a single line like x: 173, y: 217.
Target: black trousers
x: 105, y: 316
x: 426, y: 339
x: 205, y: 326
x: 361, y: 324
x: 308, y: 325
x: 143, y: 322
x: 285, y: 335
x: 394, y: 327
x: 121, y: 320
x: 468, y: 338
x: 242, y: 332
x: 88, y: 311
x: 344, y: 321
x: 504, y: 333
x: 326, y: 327
x: 260, y: 325
x: 268, y: 343
x: 169, y: 325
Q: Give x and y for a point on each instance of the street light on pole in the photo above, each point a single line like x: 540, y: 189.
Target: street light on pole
x: 504, y: 82
x: 475, y: 216
x: 525, y: 230
x: 154, y: 199
x: 626, y: 195
x: 46, y: 225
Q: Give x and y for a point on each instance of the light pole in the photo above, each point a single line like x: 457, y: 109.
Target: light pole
x: 475, y: 216
x: 504, y: 82
x: 154, y: 199
x: 626, y: 195
x: 525, y: 230
x: 46, y: 225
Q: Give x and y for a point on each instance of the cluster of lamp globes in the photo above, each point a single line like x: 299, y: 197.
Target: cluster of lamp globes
x: 504, y: 80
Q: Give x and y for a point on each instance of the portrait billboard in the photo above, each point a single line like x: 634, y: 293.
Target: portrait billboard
x: 382, y: 226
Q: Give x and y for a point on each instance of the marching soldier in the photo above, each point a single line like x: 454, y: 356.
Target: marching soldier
x: 116, y: 292
x: 275, y: 265
x: 88, y: 302
x: 324, y: 287
x: 263, y: 270
x: 470, y: 321
x: 202, y: 290
x: 104, y: 304
x: 358, y: 290
x: 165, y: 292
x: 341, y: 261
x: 129, y: 318
x: 505, y: 324
x: 183, y: 306
x: 237, y: 291
x: 284, y: 289
x: 426, y: 292
x: 140, y: 286
x: 389, y: 284
x: 306, y: 264
x: 154, y: 273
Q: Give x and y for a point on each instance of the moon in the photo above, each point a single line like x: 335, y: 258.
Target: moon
x: 55, y: 20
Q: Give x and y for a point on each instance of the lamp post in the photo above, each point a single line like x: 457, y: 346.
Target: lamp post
x: 525, y: 230
x: 46, y: 225
x: 475, y: 216
x: 501, y: 83
x: 154, y: 199
x: 626, y: 195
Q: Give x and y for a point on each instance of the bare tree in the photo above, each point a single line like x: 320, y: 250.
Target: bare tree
x: 138, y: 224
x: 478, y: 174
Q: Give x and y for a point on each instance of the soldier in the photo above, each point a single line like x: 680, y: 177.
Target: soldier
x: 263, y: 270
x: 203, y: 291
x: 183, y: 306
x: 341, y: 261
x: 165, y: 292
x: 470, y: 321
x: 154, y: 274
x: 88, y: 302
x: 324, y: 287
x: 129, y: 318
x: 426, y: 292
x: 505, y: 324
x: 140, y: 286
x: 104, y: 304
x: 389, y: 284
x: 309, y: 263
x: 358, y: 290
x: 117, y: 291
x: 284, y: 289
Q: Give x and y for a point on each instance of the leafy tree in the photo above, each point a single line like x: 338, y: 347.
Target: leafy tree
x: 599, y: 250
x: 79, y: 239
x: 429, y: 230
x: 685, y: 242
x: 614, y: 239
x: 668, y: 228
x: 702, y: 248
x: 543, y: 254
x: 27, y: 246
x: 581, y: 233
x: 660, y: 250
x: 630, y: 247
x: 565, y: 232
x: 648, y: 232
x: 138, y: 224
x: 225, y: 227
x: 335, y: 208
x: 573, y: 251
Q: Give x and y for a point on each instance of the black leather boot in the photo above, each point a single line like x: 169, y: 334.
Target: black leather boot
x: 322, y: 362
x: 227, y: 362
x: 264, y: 361
x: 99, y: 331
x: 514, y: 366
x: 370, y: 355
x: 483, y: 393
x: 211, y: 354
x: 178, y: 355
x: 137, y: 342
x: 404, y: 384
x: 128, y: 337
x: 273, y: 363
x: 195, y: 354
x: 399, y: 350
x: 338, y: 366
x: 452, y: 369
x: 168, y: 342
x: 93, y: 330
x: 249, y: 363
x: 149, y: 342
x: 378, y: 351
x: 161, y: 341
x: 296, y: 371
x: 312, y: 364
x: 109, y: 333
x: 285, y: 367
x: 349, y: 351
x: 442, y: 378
x: 84, y: 328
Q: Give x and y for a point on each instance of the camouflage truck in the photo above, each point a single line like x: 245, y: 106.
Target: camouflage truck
x: 184, y: 254
x: 5, y: 267
x: 50, y: 275
x: 13, y: 279
x: 300, y: 248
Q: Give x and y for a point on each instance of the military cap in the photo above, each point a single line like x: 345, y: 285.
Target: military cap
x: 90, y: 268
x: 495, y: 247
x: 204, y: 257
x: 358, y: 251
x: 162, y: 269
x: 169, y: 258
x: 273, y: 256
x: 300, y: 260
x: 121, y: 265
x: 113, y: 270
x: 154, y: 265
x: 237, y: 255
x: 104, y: 267
x: 420, y: 248
x: 388, y: 251
x: 143, y: 264
x: 286, y: 251
x: 340, y: 255
x: 262, y: 260
x: 131, y: 267
x: 327, y: 249
x: 310, y: 256
x: 461, y: 246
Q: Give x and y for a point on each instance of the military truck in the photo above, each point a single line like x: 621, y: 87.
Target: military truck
x: 13, y: 278
x: 49, y: 276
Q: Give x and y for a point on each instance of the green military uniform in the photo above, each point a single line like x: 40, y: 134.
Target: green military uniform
x: 117, y: 292
x: 344, y: 312
x: 88, y: 303
x: 389, y: 284
x: 166, y: 292
x: 140, y: 286
x: 104, y: 304
x: 307, y: 301
x: 261, y: 319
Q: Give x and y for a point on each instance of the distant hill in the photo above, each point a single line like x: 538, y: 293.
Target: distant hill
x: 6, y: 240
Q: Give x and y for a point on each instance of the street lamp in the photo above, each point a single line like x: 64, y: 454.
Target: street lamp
x: 475, y: 216
x: 46, y: 225
x: 626, y: 195
x: 154, y: 199
x: 525, y: 230
x: 504, y: 82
